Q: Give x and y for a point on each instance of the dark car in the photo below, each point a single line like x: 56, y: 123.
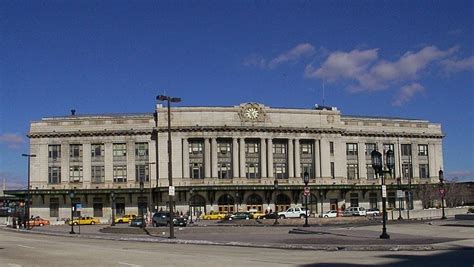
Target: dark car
x: 162, y: 218
x: 272, y: 215
x: 241, y: 216
x: 136, y: 222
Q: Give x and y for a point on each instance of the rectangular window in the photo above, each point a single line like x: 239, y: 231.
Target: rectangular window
x: 252, y: 170
x: 373, y: 200
x: 97, y: 174
x: 307, y: 167
x: 54, y: 207
x: 224, y: 170
x: 279, y: 169
x: 120, y: 174
x: 141, y: 151
x: 224, y: 147
x: 119, y: 150
x: 354, y: 199
x: 406, y: 149
x: 331, y: 148
x: 352, y: 171
x: 54, y: 175
x: 306, y: 148
x: 195, y: 147
x: 54, y: 152
x: 370, y: 172
x: 75, y: 151
x: 391, y: 200
x: 387, y: 147
x: 351, y: 149
x: 422, y: 150
x: 251, y: 147
x: 142, y: 173
x: 407, y: 170
x: 279, y: 148
x: 75, y: 174
x: 196, y: 171
x: 333, y: 173
x: 424, y: 171
x: 369, y: 147
x: 97, y: 151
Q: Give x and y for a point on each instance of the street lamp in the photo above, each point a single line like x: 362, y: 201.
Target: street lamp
x: 150, y: 194
x: 140, y: 204
x: 399, y: 182
x: 306, y: 189
x: 378, y: 168
x: 275, y: 187
x: 112, y: 196
x: 27, y: 205
x: 170, y: 170
x: 191, y: 193
x: 442, y: 191
x: 237, y: 200
x: 72, y: 194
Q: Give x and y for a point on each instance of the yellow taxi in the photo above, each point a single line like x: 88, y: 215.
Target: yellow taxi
x: 214, y: 215
x: 85, y: 220
x: 125, y: 218
x: 256, y: 214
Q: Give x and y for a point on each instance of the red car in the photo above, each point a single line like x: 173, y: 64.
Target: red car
x: 38, y: 221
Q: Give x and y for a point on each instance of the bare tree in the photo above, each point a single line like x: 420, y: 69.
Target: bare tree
x: 456, y: 193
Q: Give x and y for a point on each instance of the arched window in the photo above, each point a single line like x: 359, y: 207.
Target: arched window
x: 226, y: 203
x: 255, y: 202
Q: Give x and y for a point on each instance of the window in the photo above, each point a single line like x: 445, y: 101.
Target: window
x: 352, y: 171
x: 142, y: 173
x: 391, y: 199
x: 307, y: 167
x: 195, y: 147
x: 424, y: 171
x: 333, y: 174
x: 223, y: 147
x: 354, y: 198
x: 196, y: 171
x: 406, y: 149
x: 407, y: 170
x: 97, y: 174
x: 75, y: 174
x: 54, y: 152
x: 387, y: 147
x: 120, y: 150
x: 422, y: 150
x: 251, y: 147
x: 97, y: 151
x: 306, y: 148
x: 279, y: 148
x: 54, y: 175
x: 54, y: 207
x: 370, y: 172
x: 75, y: 151
x: 98, y: 207
x: 351, y: 149
x: 369, y: 147
x: 373, y: 200
x: 120, y: 174
x: 279, y: 169
x: 252, y: 170
x: 331, y: 148
x: 141, y: 150
x: 224, y: 170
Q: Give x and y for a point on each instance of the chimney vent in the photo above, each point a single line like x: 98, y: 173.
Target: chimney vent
x: 73, y: 112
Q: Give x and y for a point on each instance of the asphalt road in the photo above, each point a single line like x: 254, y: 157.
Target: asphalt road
x: 26, y: 249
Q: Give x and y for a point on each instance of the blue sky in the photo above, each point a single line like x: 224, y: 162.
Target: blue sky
x: 376, y: 58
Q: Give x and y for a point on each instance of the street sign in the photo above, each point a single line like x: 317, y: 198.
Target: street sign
x: 78, y: 206
x: 306, y: 191
x: 171, y: 191
x: 384, y: 191
x: 400, y: 194
x: 442, y: 192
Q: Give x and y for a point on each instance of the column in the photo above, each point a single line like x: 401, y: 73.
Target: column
x: 131, y: 163
x: 291, y: 170
x: 398, y: 158
x: 109, y: 163
x: 270, y: 158
x: 185, y: 158
x: 207, y: 158
x: 242, y: 157
x: 263, y: 157
x: 361, y: 160
x: 214, y: 157
x: 297, y: 159
x: 316, y: 158
x: 235, y: 158
x: 414, y: 160
x: 325, y: 158
x: 86, y: 164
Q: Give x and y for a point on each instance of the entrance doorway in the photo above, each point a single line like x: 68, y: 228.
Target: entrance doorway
x: 333, y: 204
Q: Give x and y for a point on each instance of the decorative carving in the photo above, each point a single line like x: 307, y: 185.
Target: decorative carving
x: 252, y: 112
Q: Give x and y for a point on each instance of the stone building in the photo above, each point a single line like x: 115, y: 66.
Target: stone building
x: 225, y: 158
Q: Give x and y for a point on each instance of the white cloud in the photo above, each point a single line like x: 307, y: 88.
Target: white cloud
x: 12, y: 140
x: 255, y: 61
x: 453, y: 65
x: 294, y: 54
x: 406, y: 93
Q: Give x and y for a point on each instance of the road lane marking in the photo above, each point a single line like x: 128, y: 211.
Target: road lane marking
x: 129, y: 264
x: 25, y: 246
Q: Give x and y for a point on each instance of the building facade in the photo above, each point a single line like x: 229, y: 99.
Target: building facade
x: 226, y: 159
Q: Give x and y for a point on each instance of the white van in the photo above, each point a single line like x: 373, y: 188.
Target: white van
x: 355, y: 211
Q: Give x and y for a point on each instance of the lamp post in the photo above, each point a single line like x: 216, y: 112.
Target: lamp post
x: 140, y: 204
x: 237, y: 200
x: 377, y: 165
x: 150, y: 193
x: 442, y: 191
x: 170, y: 165
x: 399, y: 182
x: 72, y: 194
x: 275, y: 187
x: 112, y: 196
x: 191, y: 193
x: 27, y: 203
x: 306, y: 194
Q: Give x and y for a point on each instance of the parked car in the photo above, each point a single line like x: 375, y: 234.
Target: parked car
x: 162, y: 218
x: 241, y: 216
x: 269, y: 216
x: 125, y: 218
x: 213, y: 215
x: 136, y: 221
x: 355, y: 211
x: 38, y: 221
x: 330, y: 214
x: 85, y: 220
x: 256, y: 214
x: 373, y: 212
x: 296, y: 212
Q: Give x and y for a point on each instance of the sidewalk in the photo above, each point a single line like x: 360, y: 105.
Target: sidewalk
x: 431, y: 235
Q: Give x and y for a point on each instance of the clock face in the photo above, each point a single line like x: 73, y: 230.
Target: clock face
x: 251, y: 113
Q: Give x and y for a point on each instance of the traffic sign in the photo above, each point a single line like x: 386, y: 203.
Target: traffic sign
x: 384, y: 191
x: 442, y: 192
x: 171, y: 191
x: 400, y: 194
x: 306, y: 191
